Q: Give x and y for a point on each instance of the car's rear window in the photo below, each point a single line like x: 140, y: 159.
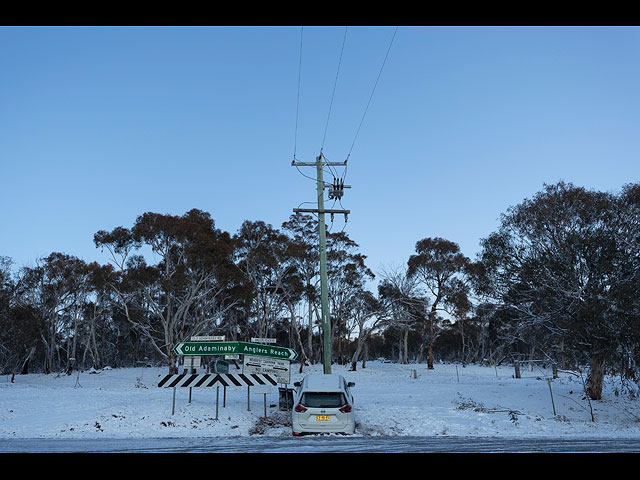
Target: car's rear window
x: 323, y: 399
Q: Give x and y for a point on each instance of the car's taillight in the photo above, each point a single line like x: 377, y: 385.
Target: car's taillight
x: 346, y: 408
x: 300, y: 408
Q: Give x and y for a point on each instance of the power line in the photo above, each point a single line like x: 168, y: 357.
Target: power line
x: 295, y: 138
x: 335, y: 193
x: 372, y: 92
x: 335, y: 83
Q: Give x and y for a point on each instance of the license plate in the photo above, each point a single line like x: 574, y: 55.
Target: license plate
x: 323, y: 418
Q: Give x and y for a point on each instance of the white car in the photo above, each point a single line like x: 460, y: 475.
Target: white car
x: 323, y: 403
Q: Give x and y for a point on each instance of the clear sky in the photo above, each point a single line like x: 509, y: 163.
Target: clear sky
x: 99, y: 125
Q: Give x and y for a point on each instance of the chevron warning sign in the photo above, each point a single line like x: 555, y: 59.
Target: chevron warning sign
x: 213, y: 379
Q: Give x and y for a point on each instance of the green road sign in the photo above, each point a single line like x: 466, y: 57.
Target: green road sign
x: 234, y: 348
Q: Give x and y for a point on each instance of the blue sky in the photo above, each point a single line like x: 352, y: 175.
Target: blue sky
x: 99, y: 125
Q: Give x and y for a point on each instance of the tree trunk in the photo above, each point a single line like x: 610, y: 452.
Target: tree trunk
x: 430, y: 347
x: 405, y: 346
x: 296, y: 330
x: 532, y: 350
x: 24, y: 370
x: 171, y: 360
x: 310, y: 330
x: 353, y: 367
x: 365, y: 355
x: 462, y: 356
x: 596, y: 378
x: 359, y: 346
x: 423, y: 345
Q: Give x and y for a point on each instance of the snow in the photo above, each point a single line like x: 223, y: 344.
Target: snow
x: 321, y: 382
x: 390, y: 399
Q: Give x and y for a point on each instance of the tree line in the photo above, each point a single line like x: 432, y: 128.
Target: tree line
x: 558, y: 280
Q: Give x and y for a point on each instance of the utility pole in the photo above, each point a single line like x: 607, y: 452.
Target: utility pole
x: 322, y: 239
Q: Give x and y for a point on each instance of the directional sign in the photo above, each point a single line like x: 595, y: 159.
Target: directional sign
x: 207, y: 338
x: 234, y: 348
x: 272, y: 366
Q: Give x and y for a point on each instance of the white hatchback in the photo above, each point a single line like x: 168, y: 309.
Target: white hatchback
x: 323, y: 403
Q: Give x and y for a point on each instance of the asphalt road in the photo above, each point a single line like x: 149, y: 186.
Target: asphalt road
x: 325, y: 444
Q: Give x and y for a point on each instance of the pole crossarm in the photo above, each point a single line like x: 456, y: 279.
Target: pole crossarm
x: 316, y: 210
x: 314, y: 164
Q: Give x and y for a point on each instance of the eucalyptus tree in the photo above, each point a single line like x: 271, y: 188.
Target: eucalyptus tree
x: 459, y: 306
x: 626, y: 298
x: 7, y: 351
x: 365, y: 315
x: 303, y: 248
x: 186, y: 291
x: 262, y: 254
x: 54, y: 287
x: 401, y: 306
x: 292, y: 291
x: 439, y: 267
x: 563, y: 265
x: 20, y: 325
x: 98, y: 325
x: 347, y: 274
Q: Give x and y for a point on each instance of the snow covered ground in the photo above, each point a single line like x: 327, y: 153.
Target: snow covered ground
x: 391, y: 399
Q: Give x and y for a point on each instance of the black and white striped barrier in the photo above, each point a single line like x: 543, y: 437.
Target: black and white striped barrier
x: 213, y: 379
x: 192, y: 380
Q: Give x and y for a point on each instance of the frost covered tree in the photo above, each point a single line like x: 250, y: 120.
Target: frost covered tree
x: 564, y: 266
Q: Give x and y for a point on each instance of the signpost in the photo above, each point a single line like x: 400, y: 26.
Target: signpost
x: 277, y: 367
x: 235, y: 348
x: 266, y: 364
